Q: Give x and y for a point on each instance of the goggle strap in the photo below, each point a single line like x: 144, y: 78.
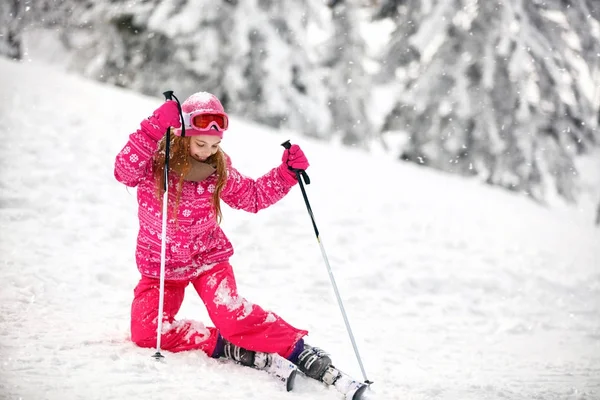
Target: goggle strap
x: 187, y: 120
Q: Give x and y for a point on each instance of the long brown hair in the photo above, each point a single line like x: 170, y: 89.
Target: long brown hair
x: 180, y: 165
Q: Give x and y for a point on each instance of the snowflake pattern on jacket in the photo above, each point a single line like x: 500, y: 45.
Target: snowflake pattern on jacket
x: 195, y: 242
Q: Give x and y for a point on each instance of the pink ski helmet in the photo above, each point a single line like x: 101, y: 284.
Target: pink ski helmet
x: 203, y: 114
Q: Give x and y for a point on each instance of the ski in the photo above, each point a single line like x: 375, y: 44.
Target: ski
x: 344, y: 383
x: 278, y: 367
x: 285, y: 371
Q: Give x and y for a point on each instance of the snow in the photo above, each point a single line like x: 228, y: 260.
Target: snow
x: 454, y: 289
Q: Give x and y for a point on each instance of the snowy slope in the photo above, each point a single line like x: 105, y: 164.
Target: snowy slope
x: 454, y: 290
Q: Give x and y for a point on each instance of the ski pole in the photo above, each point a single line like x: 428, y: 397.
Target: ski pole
x: 163, y: 245
x: 301, y: 174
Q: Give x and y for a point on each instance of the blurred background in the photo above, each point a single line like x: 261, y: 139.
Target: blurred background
x: 506, y: 92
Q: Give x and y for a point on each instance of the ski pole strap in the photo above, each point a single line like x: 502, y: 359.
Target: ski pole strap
x: 170, y: 96
x: 310, y: 212
x: 167, y: 148
x: 302, y: 173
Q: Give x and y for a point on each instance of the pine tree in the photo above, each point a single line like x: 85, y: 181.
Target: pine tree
x: 253, y: 54
x: 349, y: 84
x: 499, y: 90
x: 11, y: 22
x: 273, y: 78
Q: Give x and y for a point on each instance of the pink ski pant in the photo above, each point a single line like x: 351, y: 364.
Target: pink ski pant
x: 242, y: 323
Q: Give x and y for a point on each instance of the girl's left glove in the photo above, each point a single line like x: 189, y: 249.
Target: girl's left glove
x: 293, y: 159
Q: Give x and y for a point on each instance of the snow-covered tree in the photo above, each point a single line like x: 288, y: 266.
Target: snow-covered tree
x: 252, y: 54
x: 498, y: 89
x: 348, y: 82
x: 400, y: 52
x: 11, y: 22
x: 273, y: 77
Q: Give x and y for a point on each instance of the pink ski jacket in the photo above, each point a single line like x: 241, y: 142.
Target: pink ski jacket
x: 195, y: 242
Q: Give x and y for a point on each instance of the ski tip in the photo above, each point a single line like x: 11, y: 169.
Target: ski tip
x: 290, y: 380
x: 358, y: 395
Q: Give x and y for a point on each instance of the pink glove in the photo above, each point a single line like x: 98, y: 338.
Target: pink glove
x: 167, y: 115
x: 293, y: 159
x: 163, y: 117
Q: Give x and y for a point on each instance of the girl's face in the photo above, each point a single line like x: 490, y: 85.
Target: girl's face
x: 203, y: 146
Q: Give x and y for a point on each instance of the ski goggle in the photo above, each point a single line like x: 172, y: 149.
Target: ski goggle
x: 203, y: 121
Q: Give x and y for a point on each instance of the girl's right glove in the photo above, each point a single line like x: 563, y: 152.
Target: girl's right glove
x: 293, y: 159
x: 167, y: 115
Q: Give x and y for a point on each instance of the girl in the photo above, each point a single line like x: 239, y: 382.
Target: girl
x: 197, y: 250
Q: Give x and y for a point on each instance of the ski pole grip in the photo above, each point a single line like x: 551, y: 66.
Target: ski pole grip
x: 168, y: 95
x: 299, y: 172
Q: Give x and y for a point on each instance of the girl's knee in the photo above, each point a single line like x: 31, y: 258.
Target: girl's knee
x: 144, y: 335
x: 143, y: 341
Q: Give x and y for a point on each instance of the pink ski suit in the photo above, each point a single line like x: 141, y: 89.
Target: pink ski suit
x: 197, y: 252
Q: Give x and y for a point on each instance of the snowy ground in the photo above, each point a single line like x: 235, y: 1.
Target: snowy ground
x: 454, y: 290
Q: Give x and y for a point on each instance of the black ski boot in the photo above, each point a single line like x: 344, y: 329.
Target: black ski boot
x: 313, y: 362
x: 239, y: 354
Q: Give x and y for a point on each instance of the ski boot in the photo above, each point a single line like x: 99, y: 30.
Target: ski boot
x: 313, y: 362
x: 316, y: 363
x: 272, y: 363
